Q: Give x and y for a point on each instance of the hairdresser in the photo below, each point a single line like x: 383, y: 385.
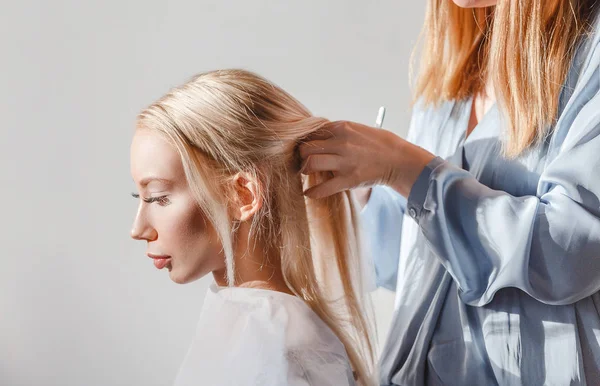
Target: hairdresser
x: 485, y: 220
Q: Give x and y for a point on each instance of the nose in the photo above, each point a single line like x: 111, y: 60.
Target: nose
x: 142, y: 231
x: 146, y: 234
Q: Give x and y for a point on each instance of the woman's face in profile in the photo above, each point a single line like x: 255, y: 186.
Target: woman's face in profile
x: 475, y: 3
x: 172, y: 224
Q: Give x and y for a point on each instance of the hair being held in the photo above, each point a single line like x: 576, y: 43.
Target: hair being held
x: 231, y: 121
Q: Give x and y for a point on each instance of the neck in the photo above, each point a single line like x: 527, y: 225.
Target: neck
x: 255, y: 266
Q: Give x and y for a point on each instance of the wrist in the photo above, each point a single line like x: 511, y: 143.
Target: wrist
x: 409, y: 164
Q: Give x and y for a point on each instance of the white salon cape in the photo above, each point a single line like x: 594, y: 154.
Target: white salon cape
x: 495, y: 261
x: 252, y: 337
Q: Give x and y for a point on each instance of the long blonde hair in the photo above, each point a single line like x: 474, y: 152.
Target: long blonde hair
x: 229, y: 121
x: 526, y: 46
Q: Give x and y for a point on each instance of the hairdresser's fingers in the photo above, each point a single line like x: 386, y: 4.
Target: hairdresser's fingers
x: 327, y: 188
x: 322, y: 163
x: 329, y: 146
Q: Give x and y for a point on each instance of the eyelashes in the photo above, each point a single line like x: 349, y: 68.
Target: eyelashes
x: 162, y: 200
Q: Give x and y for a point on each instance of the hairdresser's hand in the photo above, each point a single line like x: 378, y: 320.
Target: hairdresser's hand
x: 361, y: 156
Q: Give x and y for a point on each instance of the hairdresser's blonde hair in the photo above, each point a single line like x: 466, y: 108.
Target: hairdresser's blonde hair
x: 526, y: 46
x: 230, y: 121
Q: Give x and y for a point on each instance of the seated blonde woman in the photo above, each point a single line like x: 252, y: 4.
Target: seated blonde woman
x: 218, y: 172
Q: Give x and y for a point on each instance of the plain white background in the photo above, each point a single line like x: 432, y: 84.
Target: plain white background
x: 80, y: 303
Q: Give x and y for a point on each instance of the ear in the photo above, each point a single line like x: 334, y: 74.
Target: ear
x: 248, y: 196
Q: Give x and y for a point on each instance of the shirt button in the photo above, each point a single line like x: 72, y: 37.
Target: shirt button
x: 412, y: 212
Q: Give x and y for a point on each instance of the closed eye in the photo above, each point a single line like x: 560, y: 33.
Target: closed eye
x: 162, y: 200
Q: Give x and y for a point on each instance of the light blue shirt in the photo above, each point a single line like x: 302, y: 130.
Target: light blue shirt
x: 496, y: 262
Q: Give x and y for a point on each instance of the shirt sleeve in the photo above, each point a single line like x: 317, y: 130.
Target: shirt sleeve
x: 547, y: 245
x: 382, y: 219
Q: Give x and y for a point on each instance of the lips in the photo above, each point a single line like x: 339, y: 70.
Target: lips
x: 160, y: 261
x: 153, y: 256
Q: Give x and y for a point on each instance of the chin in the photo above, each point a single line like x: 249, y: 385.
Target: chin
x: 475, y: 3
x: 179, y: 279
x: 181, y: 276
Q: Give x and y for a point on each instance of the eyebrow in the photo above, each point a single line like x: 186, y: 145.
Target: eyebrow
x: 144, y: 182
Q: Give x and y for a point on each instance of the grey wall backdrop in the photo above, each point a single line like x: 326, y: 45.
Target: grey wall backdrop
x: 80, y: 303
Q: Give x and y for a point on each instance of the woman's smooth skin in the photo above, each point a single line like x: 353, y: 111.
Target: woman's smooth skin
x: 175, y: 225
